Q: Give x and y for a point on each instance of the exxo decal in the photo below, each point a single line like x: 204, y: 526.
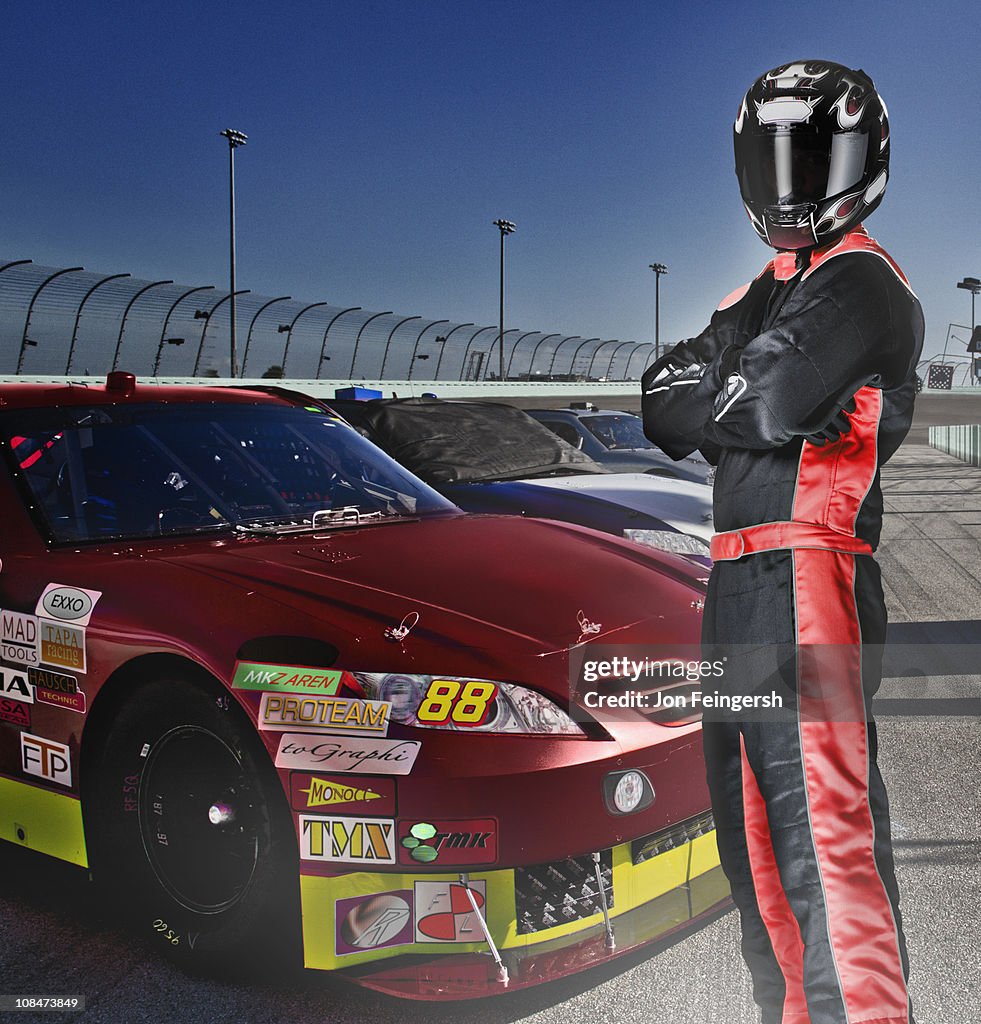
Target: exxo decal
x: 70, y: 604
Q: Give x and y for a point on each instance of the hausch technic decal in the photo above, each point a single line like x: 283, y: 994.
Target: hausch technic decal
x: 253, y: 675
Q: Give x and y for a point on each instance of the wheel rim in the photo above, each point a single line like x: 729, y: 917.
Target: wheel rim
x: 199, y: 819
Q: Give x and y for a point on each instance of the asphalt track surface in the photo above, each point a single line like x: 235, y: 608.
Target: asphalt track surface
x: 56, y: 940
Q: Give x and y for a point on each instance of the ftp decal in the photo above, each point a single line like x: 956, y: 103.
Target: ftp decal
x: 46, y: 759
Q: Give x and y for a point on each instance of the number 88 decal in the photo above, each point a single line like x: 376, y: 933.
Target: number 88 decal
x: 467, y: 704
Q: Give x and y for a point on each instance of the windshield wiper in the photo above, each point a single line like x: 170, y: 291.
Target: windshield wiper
x: 325, y: 519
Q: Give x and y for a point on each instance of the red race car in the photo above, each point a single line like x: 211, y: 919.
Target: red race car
x: 283, y: 698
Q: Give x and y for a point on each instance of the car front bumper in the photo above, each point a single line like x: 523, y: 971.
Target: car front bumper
x: 416, y: 936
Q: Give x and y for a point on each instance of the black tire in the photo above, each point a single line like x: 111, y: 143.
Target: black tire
x: 193, y: 839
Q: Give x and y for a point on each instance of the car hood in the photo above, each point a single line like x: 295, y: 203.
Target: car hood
x: 495, y: 586
x: 682, y: 503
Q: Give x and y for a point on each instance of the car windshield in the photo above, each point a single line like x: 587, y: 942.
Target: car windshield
x: 133, y: 471
x: 613, y: 431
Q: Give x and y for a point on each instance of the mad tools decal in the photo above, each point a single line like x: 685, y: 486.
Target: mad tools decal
x: 450, y: 843
x: 443, y: 912
x: 283, y: 712
x: 70, y: 604
x: 343, y: 795
x: 18, y: 638
x: 347, y: 840
x: 46, y: 759
x: 252, y: 675
x: 347, y: 754
x: 373, y: 922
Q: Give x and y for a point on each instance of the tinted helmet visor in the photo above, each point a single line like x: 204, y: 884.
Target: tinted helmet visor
x: 793, y: 167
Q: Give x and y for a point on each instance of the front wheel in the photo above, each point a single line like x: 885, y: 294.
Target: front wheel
x: 192, y: 838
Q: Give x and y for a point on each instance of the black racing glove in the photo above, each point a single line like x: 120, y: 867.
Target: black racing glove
x: 835, y: 428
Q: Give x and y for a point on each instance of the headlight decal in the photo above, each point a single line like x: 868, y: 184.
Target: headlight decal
x: 465, y: 704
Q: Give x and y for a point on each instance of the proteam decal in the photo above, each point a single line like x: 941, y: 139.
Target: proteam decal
x: 342, y: 840
x: 284, y: 712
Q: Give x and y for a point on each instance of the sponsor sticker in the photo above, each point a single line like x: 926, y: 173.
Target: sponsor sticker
x: 62, y: 646
x: 444, y: 913
x: 70, y: 604
x: 18, y: 638
x: 347, y: 840
x: 442, y: 841
x: 342, y: 793
x: 46, y: 759
x: 15, y: 711
x: 15, y: 683
x: 287, y: 711
x: 357, y: 754
x: 373, y: 922
x: 255, y: 675
x: 54, y: 688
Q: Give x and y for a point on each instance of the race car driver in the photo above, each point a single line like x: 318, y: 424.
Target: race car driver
x: 800, y: 388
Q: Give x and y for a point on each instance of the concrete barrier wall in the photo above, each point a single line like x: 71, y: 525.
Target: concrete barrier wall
x: 963, y: 442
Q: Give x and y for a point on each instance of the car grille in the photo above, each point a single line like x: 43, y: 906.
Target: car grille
x: 565, y: 890
x: 672, y: 837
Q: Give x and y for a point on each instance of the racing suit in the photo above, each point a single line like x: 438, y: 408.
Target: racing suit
x: 801, y: 811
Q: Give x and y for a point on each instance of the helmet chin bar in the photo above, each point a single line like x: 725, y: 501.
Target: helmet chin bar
x: 790, y: 227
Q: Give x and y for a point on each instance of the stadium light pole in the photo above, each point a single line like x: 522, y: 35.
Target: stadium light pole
x: 659, y: 269
x: 235, y: 139
x: 973, y: 285
x: 506, y: 228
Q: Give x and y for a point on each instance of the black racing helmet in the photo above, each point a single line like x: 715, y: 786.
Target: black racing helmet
x: 812, y: 152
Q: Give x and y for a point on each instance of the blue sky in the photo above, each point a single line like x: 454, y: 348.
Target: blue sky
x: 385, y: 137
